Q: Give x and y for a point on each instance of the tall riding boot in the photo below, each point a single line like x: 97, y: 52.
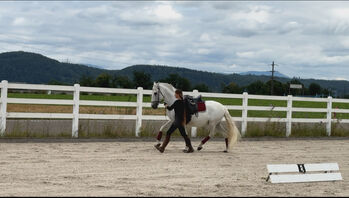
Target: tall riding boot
x: 164, y: 144
x: 188, y: 144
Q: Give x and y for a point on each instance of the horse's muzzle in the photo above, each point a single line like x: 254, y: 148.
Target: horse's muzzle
x: 154, y: 105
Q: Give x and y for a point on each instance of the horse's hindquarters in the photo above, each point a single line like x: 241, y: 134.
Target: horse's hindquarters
x: 199, y: 121
x: 212, y: 116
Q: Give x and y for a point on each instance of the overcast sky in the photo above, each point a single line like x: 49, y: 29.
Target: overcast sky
x: 305, y: 39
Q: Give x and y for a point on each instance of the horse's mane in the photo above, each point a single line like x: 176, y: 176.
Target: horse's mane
x: 167, y: 85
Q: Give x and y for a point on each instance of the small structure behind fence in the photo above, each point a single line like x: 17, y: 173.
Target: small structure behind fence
x: 75, y: 116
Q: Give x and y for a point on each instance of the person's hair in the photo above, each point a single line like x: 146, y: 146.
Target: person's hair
x: 180, y: 93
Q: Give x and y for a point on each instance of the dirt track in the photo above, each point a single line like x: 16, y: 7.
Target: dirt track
x: 135, y: 168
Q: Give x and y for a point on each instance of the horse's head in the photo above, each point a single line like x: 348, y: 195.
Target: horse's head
x: 156, y: 95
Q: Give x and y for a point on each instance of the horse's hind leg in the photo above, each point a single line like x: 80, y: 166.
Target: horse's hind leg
x: 211, y: 134
x: 225, y: 135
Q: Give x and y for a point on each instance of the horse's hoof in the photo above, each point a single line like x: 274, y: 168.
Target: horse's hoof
x: 199, y: 148
x: 157, y: 145
x: 225, y: 151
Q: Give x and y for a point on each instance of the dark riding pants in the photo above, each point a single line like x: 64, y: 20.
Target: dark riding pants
x: 176, y: 126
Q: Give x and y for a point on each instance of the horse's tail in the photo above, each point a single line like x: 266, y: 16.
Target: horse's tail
x: 233, y: 131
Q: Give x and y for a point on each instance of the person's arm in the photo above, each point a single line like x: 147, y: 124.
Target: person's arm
x: 172, y: 106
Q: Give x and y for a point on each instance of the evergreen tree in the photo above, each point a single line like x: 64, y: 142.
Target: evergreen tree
x: 86, y: 81
x: 258, y: 87
x: 121, y: 82
x: 279, y: 88
x: 232, y: 88
x: 178, y: 82
x: 141, y: 79
x: 103, y: 80
x: 314, y: 89
x: 201, y: 87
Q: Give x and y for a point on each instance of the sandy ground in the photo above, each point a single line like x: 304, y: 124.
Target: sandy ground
x: 135, y: 168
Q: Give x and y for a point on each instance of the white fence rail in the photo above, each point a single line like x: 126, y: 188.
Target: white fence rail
x: 76, y: 102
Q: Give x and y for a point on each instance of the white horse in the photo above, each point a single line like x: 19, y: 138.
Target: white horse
x: 212, y: 117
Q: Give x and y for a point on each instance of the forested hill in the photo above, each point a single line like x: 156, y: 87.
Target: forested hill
x: 215, y: 80
x: 34, y: 68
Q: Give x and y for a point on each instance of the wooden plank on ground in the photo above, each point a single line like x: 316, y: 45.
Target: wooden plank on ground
x: 305, y: 178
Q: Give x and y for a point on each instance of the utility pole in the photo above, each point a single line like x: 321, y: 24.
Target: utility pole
x: 272, y: 79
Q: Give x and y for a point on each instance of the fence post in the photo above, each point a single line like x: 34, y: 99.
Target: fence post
x: 139, y: 110
x: 194, y: 129
x: 289, y: 116
x: 244, y: 113
x: 329, y: 116
x: 3, y: 107
x: 75, y: 127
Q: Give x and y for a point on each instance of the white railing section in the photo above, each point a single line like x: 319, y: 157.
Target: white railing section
x: 75, y: 116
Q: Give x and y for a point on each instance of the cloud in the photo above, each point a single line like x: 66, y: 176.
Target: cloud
x: 151, y: 15
x: 166, y: 12
x: 340, y: 13
x: 19, y: 21
x: 341, y: 78
x: 307, y: 39
x: 255, y: 14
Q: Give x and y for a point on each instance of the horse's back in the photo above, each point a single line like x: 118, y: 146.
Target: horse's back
x: 214, y: 113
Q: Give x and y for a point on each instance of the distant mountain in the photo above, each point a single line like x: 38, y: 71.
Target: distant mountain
x: 215, y: 80
x: 264, y: 73
x: 34, y: 68
x: 94, y: 66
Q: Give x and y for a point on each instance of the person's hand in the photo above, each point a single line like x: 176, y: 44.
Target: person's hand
x: 165, y: 105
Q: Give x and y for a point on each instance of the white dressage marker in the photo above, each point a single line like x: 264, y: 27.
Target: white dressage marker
x: 306, y: 172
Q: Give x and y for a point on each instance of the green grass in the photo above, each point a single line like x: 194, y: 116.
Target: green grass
x: 340, y: 105
x: 275, y: 103
x: 308, y: 130
x: 40, y: 96
x: 275, y: 129
x: 98, y: 97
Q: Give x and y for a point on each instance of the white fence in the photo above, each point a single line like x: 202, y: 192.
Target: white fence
x: 76, y: 102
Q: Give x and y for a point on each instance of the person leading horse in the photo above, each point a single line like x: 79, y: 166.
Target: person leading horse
x: 179, y: 123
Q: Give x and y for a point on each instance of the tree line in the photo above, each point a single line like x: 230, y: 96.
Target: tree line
x: 280, y: 89
x: 139, y: 79
x: 142, y: 79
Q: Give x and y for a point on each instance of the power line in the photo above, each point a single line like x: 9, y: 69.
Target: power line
x: 272, y: 78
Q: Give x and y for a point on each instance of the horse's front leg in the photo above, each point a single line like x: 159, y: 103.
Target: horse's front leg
x: 170, y: 115
x: 159, y: 136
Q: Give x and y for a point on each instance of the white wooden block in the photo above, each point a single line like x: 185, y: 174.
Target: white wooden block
x: 305, y: 178
x: 290, y: 168
x: 306, y: 172
x: 282, y: 168
x: 322, y: 167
